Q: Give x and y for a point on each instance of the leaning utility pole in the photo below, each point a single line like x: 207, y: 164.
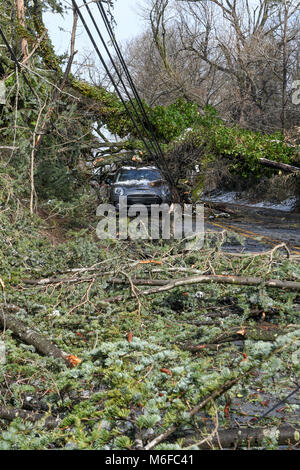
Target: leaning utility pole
x: 21, y: 18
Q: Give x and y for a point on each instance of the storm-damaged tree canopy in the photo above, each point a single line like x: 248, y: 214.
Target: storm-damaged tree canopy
x: 142, y: 344
x: 62, y: 118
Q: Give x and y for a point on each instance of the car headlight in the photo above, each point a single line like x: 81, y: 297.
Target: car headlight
x: 119, y: 191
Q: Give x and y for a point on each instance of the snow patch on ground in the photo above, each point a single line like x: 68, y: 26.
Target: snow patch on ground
x: 286, y: 205
x: 236, y: 198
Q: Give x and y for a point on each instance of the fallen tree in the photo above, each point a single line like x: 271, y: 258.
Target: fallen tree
x: 215, y: 394
x: 166, y: 284
x: 228, y: 385
x: 226, y: 279
x: 260, y: 332
x: 249, y: 437
x: 9, y: 414
x: 30, y: 336
x: 279, y: 165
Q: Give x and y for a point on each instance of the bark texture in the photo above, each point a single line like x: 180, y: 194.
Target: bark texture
x: 29, y: 336
x: 247, y: 437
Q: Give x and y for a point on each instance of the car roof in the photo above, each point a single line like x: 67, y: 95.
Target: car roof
x: 138, y: 168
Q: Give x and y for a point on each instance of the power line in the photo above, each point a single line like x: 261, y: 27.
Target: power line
x: 158, y: 155
x: 129, y: 78
x: 125, y: 68
x: 118, y: 73
x: 109, y: 75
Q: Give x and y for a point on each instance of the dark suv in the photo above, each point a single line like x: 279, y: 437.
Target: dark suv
x: 140, y: 185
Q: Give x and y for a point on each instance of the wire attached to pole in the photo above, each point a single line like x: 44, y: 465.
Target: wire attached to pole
x: 133, y: 87
x: 119, y: 75
x: 109, y: 75
x: 129, y: 78
x: 147, y: 126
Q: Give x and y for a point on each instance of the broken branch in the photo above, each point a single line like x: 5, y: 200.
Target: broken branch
x: 233, y: 438
x: 10, y: 414
x: 29, y: 336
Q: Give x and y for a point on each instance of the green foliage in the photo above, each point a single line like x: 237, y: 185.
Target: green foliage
x: 54, y: 180
x: 170, y: 121
x: 167, y: 122
x: 121, y: 386
x: 55, y: 5
x: 241, y: 148
x: 66, y: 138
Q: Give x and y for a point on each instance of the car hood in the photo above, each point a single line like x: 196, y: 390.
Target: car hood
x: 141, y: 184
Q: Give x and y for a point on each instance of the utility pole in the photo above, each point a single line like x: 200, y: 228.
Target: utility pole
x: 21, y: 19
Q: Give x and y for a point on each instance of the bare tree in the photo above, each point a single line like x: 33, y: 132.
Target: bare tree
x: 234, y: 54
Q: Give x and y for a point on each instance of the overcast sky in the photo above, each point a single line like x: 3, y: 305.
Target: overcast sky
x: 129, y: 24
x: 126, y: 13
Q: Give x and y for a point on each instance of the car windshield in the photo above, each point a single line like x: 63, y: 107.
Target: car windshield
x: 135, y: 174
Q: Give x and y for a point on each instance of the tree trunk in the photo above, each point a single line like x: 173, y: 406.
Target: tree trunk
x: 247, y: 437
x: 12, y: 413
x: 21, y: 19
x: 279, y: 166
x: 260, y: 332
x: 168, y: 284
x: 29, y: 336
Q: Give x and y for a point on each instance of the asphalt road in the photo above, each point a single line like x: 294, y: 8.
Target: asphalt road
x: 260, y: 229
